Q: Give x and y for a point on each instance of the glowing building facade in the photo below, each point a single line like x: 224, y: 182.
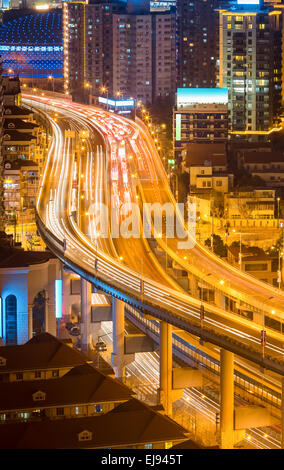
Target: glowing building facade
x: 200, y: 117
x: 250, y: 52
x: 119, y: 47
x: 31, y: 44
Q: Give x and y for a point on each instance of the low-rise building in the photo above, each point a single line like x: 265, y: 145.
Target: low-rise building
x: 83, y: 391
x: 256, y: 262
x: 268, y: 165
x: 207, y: 166
x: 21, y: 178
x: 18, y: 145
x: 129, y: 425
x: 255, y: 204
x: 41, y: 358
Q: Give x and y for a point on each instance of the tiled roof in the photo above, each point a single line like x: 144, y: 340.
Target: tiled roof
x: 15, y: 136
x: 263, y: 157
x: 18, y: 124
x: 198, y: 154
x: 128, y: 424
x: 83, y: 384
x: 21, y: 259
x: 16, y: 111
x: 44, y: 351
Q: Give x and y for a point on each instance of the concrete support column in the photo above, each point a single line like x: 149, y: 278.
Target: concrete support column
x: 86, y: 297
x: 220, y: 299
x: 30, y: 321
x: 282, y: 415
x: 227, y: 399
x: 166, y: 367
x: 65, y: 294
x: 258, y: 317
x: 118, y: 338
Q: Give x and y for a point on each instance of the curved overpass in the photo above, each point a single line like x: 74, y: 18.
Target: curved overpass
x: 100, y: 264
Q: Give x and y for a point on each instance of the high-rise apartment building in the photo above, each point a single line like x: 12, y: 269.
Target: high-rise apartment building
x: 251, y: 65
x: 197, y: 43
x: 119, y: 47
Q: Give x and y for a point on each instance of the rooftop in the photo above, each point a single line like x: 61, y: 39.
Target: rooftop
x: 206, y: 154
x: 130, y: 423
x: 263, y: 157
x: 82, y: 384
x: 18, y: 258
x: 11, y: 135
x: 18, y: 164
x: 44, y: 351
x: 250, y: 253
x: 18, y: 124
x: 16, y: 111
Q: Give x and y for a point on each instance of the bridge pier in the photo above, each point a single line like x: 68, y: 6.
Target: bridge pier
x: 86, y: 297
x: 227, y: 399
x: 220, y: 299
x: 282, y: 415
x: 117, y: 357
x: 166, y: 367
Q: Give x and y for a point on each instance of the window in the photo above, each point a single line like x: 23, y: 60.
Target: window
x: 98, y: 408
x: 19, y: 376
x: 60, y: 411
x: 55, y: 373
x: 11, y: 319
x: 85, y: 436
x: 37, y: 374
x: 148, y: 446
x: 39, y: 396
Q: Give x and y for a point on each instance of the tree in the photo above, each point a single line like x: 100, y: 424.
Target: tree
x: 219, y: 247
x: 243, y: 179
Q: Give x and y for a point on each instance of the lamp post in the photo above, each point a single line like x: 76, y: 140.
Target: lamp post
x: 263, y: 332
x: 50, y: 77
x: 202, y: 312
x: 104, y: 90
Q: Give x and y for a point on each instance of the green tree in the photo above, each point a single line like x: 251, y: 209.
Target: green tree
x: 219, y: 247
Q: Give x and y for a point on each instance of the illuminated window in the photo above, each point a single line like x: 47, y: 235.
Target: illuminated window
x: 39, y: 396
x: 229, y: 26
x: 85, y: 436
x: 11, y: 319
x: 261, y: 26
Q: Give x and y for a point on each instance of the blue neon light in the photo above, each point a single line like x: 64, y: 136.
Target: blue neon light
x: 248, y: 2
x: 191, y: 96
x: 116, y: 103
x: 1, y: 317
x: 32, y: 45
x: 58, y: 298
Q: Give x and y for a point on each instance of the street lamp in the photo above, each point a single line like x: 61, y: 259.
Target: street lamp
x: 50, y: 77
x: 263, y: 332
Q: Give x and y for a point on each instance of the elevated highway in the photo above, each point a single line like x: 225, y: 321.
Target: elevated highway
x: 99, y: 261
